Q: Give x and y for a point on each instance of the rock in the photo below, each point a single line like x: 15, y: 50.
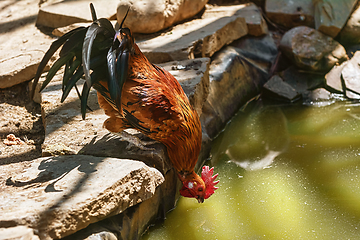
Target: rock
x: 19, y: 68
x: 234, y: 79
x: 331, y: 15
x: 63, y: 122
x: 57, y: 149
x: 64, y: 13
x: 156, y: 15
x: 262, y: 50
x: 351, y: 77
x: 311, y: 50
x: 290, y: 13
x: 197, y: 38
x: 59, y: 195
x: 62, y: 30
x: 134, y: 221
x: 255, y: 22
x: 129, y: 144
x: 350, y: 33
x: 333, y: 79
x: 302, y: 81
x: 319, y: 97
x: 20, y: 53
x: 193, y: 76
x: 18, y: 233
x: 278, y: 89
x: 344, y: 79
x: 11, y: 139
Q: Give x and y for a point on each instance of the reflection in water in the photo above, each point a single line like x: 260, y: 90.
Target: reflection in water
x: 256, y: 142
x: 307, y: 183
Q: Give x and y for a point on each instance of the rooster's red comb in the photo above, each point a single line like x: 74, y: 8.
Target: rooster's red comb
x: 208, y: 178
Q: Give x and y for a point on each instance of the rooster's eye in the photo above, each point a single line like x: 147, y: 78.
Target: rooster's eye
x: 200, y: 189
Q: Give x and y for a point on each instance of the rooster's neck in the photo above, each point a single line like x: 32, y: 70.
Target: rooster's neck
x: 186, y: 176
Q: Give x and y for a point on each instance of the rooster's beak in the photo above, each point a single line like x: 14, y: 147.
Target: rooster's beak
x: 200, y: 199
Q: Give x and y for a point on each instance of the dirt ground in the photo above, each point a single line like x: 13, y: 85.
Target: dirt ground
x: 22, y: 117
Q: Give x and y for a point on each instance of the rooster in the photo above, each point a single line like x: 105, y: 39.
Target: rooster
x: 134, y: 93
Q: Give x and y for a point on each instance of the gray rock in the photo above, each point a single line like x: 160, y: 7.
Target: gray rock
x: 289, y: 13
x: 262, y: 50
x: 278, y: 89
x: 318, y: 97
x: 351, y: 77
x: 234, y: 79
x: 58, y: 196
x: 311, y: 50
x: 331, y: 15
x: 196, y: 38
x: 302, y: 81
x: 64, y: 13
x: 344, y: 79
x: 333, y: 79
x: 156, y: 15
x: 350, y: 33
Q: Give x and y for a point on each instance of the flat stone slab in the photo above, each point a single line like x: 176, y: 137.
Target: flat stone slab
x: 64, y: 13
x: 196, y: 38
x: 277, y: 88
x: 254, y: 20
x: 63, y: 123
x: 57, y: 196
x: 20, y: 53
x: 19, y: 232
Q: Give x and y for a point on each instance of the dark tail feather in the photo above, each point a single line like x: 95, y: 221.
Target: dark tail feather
x: 53, y: 48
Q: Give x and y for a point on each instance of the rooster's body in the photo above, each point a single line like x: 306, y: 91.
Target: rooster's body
x: 137, y: 94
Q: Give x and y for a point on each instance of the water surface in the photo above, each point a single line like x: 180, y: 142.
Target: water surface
x: 289, y: 172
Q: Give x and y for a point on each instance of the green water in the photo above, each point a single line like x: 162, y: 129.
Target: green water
x: 285, y: 173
